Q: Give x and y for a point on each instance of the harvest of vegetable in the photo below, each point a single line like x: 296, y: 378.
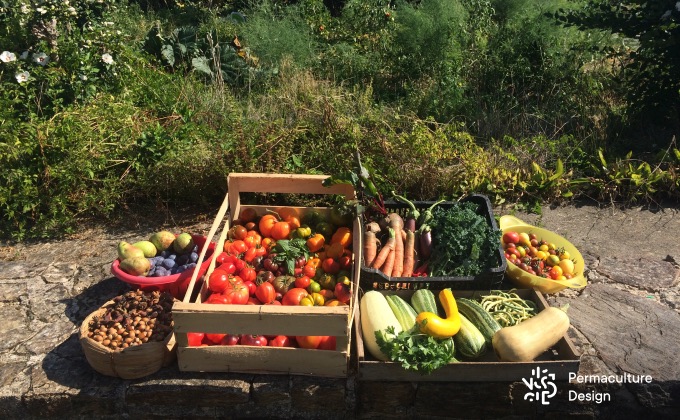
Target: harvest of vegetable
x: 435, y: 241
x: 416, y: 336
x: 507, y: 308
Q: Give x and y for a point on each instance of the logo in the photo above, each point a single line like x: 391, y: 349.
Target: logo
x: 541, y: 386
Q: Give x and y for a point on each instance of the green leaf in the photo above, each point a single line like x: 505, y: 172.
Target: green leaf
x: 202, y: 65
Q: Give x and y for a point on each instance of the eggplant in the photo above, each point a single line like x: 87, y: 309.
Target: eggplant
x: 425, y: 241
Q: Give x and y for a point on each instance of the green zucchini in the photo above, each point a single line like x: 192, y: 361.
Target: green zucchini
x: 479, y: 317
x: 469, y: 342
x: 423, y: 301
x: 404, y: 312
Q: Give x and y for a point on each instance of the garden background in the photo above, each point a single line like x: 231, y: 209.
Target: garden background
x: 107, y: 105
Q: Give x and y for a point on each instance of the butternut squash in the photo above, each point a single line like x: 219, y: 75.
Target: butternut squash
x: 527, y: 340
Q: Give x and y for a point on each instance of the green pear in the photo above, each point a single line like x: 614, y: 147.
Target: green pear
x: 136, y: 266
x: 162, y: 240
x: 127, y: 250
x: 148, y: 248
x: 184, y: 243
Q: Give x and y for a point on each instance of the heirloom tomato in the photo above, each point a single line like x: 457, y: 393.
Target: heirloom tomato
x: 253, y: 340
x: 293, y: 296
x: 265, y: 292
x: 308, y: 341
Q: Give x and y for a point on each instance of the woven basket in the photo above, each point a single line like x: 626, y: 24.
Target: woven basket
x: 129, y: 363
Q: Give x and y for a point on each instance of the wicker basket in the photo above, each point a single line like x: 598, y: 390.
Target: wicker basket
x: 129, y: 363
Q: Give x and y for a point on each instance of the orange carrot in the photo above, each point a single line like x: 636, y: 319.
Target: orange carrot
x: 409, y: 254
x: 398, y: 255
x: 388, y: 267
x: 384, y: 251
x: 370, y: 247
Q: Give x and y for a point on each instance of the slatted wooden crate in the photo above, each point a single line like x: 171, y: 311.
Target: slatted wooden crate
x: 195, y: 316
x: 560, y: 360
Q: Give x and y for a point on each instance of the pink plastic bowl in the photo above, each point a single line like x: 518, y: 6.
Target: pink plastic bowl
x: 175, y: 284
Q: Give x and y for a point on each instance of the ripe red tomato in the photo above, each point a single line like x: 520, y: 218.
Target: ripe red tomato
x: 280, y: 341
x: 253, y: 301
x: 265, y: 292
x: 327, y: 343
x: 280, y: 230
x: 345, y: 262
x: 342, y: 292
x: 217, y: 298
x: 251, y: 286
x: 250, y: 255
x: 309, y: 270
x: 309, y: 341
x: 195, y: 339
x: 293, y: 296
x: 248, y: 273
x: 238, y: 232
x: 237, y: 247
x: 253, y: 340
x: 329, y: 265
x: 214, y: 338
x: 303, y: 282
x: 236, y: 291
x: 510, y: 237
x: 217, y: 281
x: 230, y: 340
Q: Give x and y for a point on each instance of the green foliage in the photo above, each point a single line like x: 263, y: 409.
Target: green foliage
x: 645, y: 40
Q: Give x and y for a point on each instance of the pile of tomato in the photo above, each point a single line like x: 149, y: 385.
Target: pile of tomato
x: 281, y: 258
x: 537, y: 256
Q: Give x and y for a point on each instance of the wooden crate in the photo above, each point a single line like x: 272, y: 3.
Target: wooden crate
x: 336, y: 321
x: 560, y: 360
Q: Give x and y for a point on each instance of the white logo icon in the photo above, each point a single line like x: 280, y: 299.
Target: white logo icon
x: 541, y: 386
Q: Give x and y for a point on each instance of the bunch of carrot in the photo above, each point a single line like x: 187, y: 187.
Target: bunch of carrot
x: 397, y: 246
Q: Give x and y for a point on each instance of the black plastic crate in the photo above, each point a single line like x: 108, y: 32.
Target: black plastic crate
x: 491, y: 278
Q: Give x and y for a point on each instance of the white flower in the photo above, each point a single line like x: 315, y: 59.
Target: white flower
x: 72, y: 11
x: 7, y: 57
x: 106, y: 57
x: 41, y: 58
x: 25, y: 9
x: 41, y: 10
x: 83, y: 77
x: 24, y: 55
x: 22, y: 77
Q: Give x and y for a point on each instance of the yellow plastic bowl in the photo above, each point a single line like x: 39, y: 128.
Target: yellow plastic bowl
x: 523, y: 279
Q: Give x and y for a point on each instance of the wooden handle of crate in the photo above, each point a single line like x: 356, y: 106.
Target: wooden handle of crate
x: 281, y: 183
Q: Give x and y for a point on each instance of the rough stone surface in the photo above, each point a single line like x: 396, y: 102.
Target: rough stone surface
x: 627, y: 320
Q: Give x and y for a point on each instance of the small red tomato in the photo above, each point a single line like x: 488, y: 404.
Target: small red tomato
x: 215, y: 338
x: 342, y: 292
x: 230, y: 340
x: 345, y: 262
x: 331, y: 266
x: 280, y: 341
x: 510, y: 237
x: 327, y: 343
x: 195, y: 339
x: 309, y: 271
x: 253, y: 340
x: 251, y: 286
x: 265, y: 292
x: 303, y: 282
x: 217, y: 298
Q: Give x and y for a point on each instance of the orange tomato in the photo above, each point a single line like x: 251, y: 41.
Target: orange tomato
x: 342, y: 236
x: 290, y: 215
x: 314, y: 262
x: 316, y: 242
x: 334, y: 250
x: 309, y: 341
x: 280, y: 230
x: 266, y: 224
